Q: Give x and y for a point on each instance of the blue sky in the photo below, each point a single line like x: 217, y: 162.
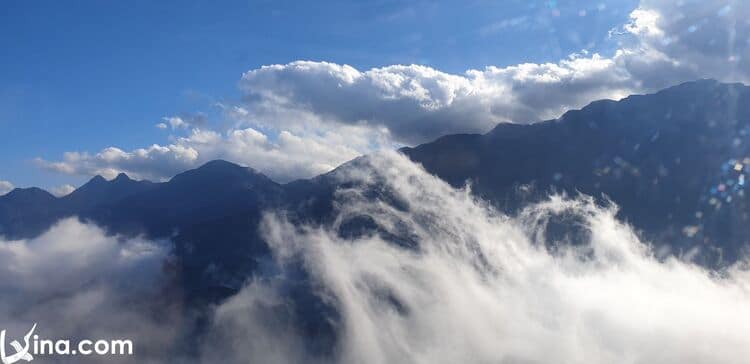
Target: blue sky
x: 86, y: 75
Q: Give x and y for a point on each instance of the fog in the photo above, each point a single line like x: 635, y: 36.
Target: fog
x: 445, y: 278
x: 76, y: 282
x: 484, y: 287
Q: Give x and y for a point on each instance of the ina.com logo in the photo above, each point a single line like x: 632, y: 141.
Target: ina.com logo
x: 35, y: 346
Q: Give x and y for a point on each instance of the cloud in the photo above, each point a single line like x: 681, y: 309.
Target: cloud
x: 678, y: 40
x: 186, y: 121
x: 176, y: 122
x: 5, y: 187
x: 283, y: 156
x: 664, y: 43
x: 686, y: 40
x: 481, y: 286
x: 77, y: 282
x: 418, y: 103
x: 63, y: 190
x: 314, y: 115
x: 156, y: 161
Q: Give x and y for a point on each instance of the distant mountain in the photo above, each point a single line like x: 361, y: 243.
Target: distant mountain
x: 675, y: 161
x: 214, y: 190
x: 27, y: 212
x: 211, y: 213
x: 99, y: 191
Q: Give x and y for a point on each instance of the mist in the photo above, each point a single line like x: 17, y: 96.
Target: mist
x: 437, y: 276
x: 77, y: 282
x: 445, y: 278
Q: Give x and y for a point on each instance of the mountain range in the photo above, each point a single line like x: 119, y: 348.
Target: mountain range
x: 673, y: 161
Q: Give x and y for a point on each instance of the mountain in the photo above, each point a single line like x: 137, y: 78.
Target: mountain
x: 214, y: 190
x: 27, y: 212
x: 675, y: 162
x: 211, y: 213
x: 99, y: 191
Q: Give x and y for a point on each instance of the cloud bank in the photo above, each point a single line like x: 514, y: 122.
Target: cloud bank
x: 76, y: 282
x: 483, y: 287
x: 476, y: 286
x: 284, y: 156
x: 418, y: 103
x: 303, y: 118
x: 664, y: 43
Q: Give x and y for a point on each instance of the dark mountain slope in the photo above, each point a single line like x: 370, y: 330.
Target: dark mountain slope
x: 99, y: 191
x: 674, y: 161
x: 212, y: 191
x: 210, y: 213
x: 27, y: 212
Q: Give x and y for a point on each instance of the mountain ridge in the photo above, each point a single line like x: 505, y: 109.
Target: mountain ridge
x: 669, y: 160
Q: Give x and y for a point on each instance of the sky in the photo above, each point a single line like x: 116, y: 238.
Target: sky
x: 295, y: 88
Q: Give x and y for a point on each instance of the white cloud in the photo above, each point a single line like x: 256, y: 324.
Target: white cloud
x: 315, y: 115
x: 644, y: 23
x: 684, y: 40
x: 418, y: 103
x: 5, y: 187
x: 176, y: 122
x: 77, y: 282
x: 63, y: 190
x: 664, y: 43
x: 283, y: 156
x: 185, y: 122
x: 483, y: 288
x: 155, y: 161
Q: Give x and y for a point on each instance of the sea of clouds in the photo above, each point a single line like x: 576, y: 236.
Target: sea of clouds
x: 477, y: 286
x: 77, y: 282
x: 484, y: 287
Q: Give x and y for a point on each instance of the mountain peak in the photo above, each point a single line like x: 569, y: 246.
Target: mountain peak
x: 222, y: 174
x: 219, y: 164
x: 219, y: 168
x: 29, y: 193
x: 96, y: 180
x: 121, y: 177
x: 99, y: 191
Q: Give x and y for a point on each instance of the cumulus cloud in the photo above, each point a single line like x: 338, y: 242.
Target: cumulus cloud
x: 5, y: 187
x: 77, y: 282
x: 417, y: 103
x: 283, y: 156
x: 153, y: 161
x: 483, y: 287
x: 665, y: 42
x: 328, y: 108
